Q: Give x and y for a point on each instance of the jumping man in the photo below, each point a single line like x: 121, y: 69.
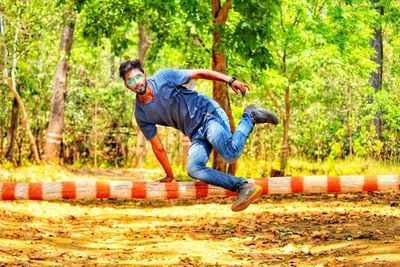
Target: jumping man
x: 163, y: 100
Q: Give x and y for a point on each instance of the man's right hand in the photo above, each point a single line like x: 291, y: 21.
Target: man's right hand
x: 166, y: 179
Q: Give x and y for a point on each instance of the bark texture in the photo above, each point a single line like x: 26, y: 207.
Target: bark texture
x: 56, y: 124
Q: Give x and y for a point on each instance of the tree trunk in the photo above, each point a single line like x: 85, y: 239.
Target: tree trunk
x: 141, y: 152
x: 15, y: 108
x: 285, y: 141
x: 11, y: 85
x: 3, y: 94
x: 286, y: 123
x: 24, y: 118
x: 220, y: 90
x: 13, y: 130
x: 376, y: 76
x: 56, y: 124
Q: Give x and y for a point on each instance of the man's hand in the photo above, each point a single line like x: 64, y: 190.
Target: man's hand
x: 161, y: 155
x: 239, y: 87
x: 166, y: 179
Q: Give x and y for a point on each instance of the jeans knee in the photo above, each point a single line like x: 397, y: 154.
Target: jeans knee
x: 193, y: 169
x: 230, y: 158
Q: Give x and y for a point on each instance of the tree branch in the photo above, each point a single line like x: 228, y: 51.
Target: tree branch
x: 223, y: 13
x: 294, y: 74
x: 274, y: 101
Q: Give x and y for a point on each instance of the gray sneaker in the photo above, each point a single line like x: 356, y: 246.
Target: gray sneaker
x: 261, y: 115
x: 248, y: 193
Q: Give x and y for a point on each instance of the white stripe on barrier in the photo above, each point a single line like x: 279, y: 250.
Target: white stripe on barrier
x: 22, y: 191
x: 156, y: 191
x: 280, y: 185
x: 187, y: 190
x: 315, y: 184
x: 85, y: 189
x: 120, y: 189
x: 51, y: 190
x: 386, y: 182
x: 215, y: 191
x: 351, y: 183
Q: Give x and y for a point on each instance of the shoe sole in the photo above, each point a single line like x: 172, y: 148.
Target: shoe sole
x: 256, y: 195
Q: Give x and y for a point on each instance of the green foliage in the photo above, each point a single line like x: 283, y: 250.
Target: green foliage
x: 265, y: 42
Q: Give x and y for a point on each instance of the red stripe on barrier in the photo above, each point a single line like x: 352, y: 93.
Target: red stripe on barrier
x: 370, y: 183
x: 334, y: 184
x: 8, y: 191
x: 297, y: 184
x: 229, y: 193
x: 263, y: 182
x: 399, y: 180
x: 68, y: 190
x: 139, y: 190
x: 201, y: 190
x: 35, y: 191
x: 102, y: 190
x: 172, y: 190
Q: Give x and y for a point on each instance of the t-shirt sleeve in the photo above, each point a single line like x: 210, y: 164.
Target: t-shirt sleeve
x: 149, y: 130
x: 176, y: 77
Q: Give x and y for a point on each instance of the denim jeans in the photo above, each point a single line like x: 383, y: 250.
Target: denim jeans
x: 215, y: 133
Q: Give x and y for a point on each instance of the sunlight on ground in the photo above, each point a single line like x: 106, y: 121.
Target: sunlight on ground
x: 275, y: 231
x: 290, y: 230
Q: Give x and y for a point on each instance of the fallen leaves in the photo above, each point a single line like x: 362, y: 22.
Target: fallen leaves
x: 316, y: 230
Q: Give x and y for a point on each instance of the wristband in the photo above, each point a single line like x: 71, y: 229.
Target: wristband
x: 231, y: 81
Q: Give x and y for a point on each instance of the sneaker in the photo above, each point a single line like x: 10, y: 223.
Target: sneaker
x: 248, y: 193
x: 261, y: 115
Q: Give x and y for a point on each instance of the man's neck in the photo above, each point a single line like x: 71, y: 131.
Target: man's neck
x: 147, y: 97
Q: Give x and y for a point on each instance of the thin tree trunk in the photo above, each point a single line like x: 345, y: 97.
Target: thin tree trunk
x: 376, y: 76
x: 11, y: 85
x: 141, y: 140
x: 24, y: 119
x: 15, y: 108
x: 286, y: 124
x: 2, y: 132
x: 220, y: 90
x: 95, y: 130
x: 56, y: 124
x: 3, y: 93
x: 285, y: 141
x: 13, y: 130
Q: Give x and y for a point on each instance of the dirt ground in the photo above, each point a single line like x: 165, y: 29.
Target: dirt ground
x: 358, y: 229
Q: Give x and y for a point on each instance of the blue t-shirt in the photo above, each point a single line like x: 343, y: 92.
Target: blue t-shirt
x: 173, y: 105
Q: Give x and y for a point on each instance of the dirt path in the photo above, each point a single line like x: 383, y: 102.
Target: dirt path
x: 309, y: 230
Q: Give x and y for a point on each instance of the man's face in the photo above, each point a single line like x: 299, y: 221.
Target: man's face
x: 135, y: 80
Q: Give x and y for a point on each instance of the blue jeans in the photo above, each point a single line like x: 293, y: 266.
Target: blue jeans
x: 215, y: 133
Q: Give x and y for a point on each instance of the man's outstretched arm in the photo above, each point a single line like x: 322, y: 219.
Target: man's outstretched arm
x: 236, y: 85
x: 162, y: 157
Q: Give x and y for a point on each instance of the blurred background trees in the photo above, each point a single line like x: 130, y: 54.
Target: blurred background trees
x: 315, y: 63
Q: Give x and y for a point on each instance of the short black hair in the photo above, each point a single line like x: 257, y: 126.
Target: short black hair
x: 128, y: 66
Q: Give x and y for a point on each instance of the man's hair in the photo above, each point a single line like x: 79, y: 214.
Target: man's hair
x: 128, y: 66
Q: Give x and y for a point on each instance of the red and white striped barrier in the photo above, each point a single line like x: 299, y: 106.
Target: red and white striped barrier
x: 155, y: 190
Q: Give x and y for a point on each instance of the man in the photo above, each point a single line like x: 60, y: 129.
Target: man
x: 163, y: 100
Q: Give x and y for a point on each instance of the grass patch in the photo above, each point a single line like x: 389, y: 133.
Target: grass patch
x: 246, y: 168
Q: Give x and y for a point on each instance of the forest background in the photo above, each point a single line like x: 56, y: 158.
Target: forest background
x: 328, y: 68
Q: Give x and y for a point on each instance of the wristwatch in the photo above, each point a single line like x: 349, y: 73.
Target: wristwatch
x: 231, y: 81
